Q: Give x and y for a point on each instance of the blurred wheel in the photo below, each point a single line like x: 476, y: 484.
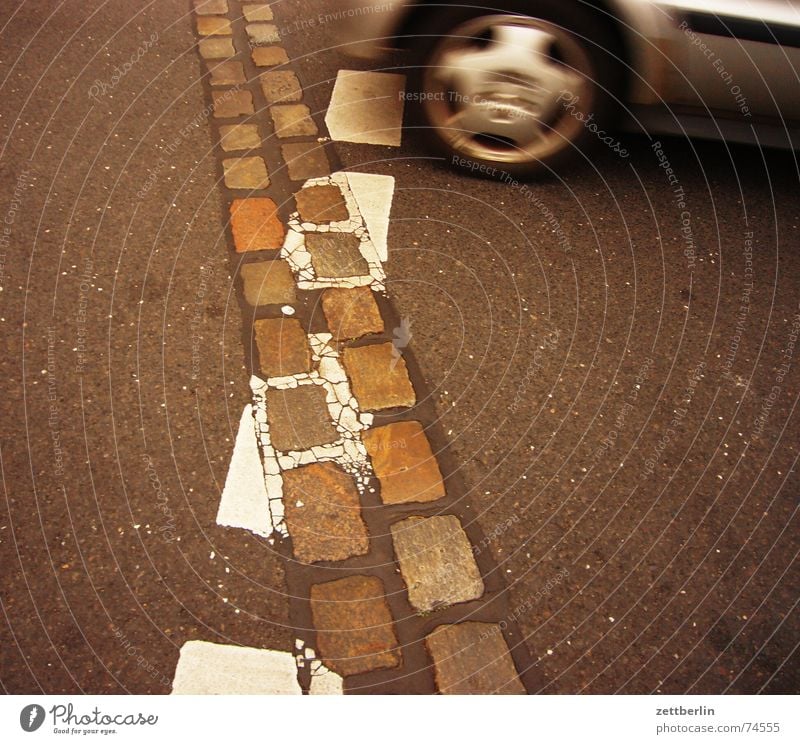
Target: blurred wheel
x: 514, y: 94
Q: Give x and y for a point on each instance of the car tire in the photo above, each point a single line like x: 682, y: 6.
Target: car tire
x: 499, y: 72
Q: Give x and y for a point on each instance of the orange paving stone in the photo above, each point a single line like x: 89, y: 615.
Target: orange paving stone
x: 354, y: 626
x: 336, y: 254
x: 256, y: 225
x: 305, y: 160
x: 402, y: 459
x: 299, y: 418
x: 239, y: 137
x: 436, y: 562
x: 257, y: 12
x: 228, y: 72
x: 216, y: 47
x: 280, y: 86
x: 213, y: 26
x: 473, y: 659
x: 293, y: 120
x: 245, y: 173
x: 378, y: 377
x: 351, y: 313
x: 269, y: 56
x: 210, y: 7
x: 282, y: 347
x: 262, y: 33
x: 268, y: 283
x: 228, y: 104
x: 323, y: 514
x: 321, y: 204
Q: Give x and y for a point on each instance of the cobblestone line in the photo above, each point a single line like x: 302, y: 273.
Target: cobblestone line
x: 388, y: 590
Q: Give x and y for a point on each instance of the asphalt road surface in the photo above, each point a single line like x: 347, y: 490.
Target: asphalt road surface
x: 123, y: 363
x: 611, y: 355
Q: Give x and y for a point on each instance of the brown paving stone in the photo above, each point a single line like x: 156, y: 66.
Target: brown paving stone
x: 262, y: 33
x: 269, y: 56
x: 282, y: 347
x: 321, y: 204
x: 213, y: 26
x: 299, y: 418
x: 228, y: 104
x: 323, y: 514
x: 257, y: 12
x: 239, y: 137
x: 336, y: 255
x: 216, y: 47
x: 211, y: 7
x: 351, y: 313
x: 293, y: 120
x: 305, y: 160
x: 378, y: 377
x: 402, y: 459
x: 229, y: 72
x: 256, y: 225
x: 354, y: 626
x: 245, y: 173
x: 268, y: 283
x: 473, y: 659
x: 280, y: 86
x: 436, y: 562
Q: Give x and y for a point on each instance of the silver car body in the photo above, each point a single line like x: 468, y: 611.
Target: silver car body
x: 704, y: 68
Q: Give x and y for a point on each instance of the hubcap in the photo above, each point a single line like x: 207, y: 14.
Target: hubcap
x: 508, y: 89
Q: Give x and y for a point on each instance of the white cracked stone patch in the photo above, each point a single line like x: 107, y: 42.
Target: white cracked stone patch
x: 253, y: 495
x: 294, y: 246
x: 272, y: 470
x: 348, y: 451
x: 323, y: 680
x: 366, y: 107
x: 216, y: 669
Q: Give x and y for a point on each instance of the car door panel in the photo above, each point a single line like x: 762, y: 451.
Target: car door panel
x: 742, y: 58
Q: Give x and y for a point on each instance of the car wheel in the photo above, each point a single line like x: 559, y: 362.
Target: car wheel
x: 512, y: 94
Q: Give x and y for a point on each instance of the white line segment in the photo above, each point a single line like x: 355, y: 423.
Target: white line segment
x: 215, y: 669
x: 244, y: 500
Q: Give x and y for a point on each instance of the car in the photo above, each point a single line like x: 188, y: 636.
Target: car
x: 527, y: 87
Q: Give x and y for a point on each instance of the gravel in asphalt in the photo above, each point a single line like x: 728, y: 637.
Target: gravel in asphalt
x: 624, y: 429
x: 123, y: 368
x: 611, y: 358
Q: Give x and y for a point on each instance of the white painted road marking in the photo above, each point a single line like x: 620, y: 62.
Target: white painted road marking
x: 323, y: 680
x: 326, y: 683
x: 244, y: 500
x: 215, y: 669
x: 373, y: 194
x: 367, y: 108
